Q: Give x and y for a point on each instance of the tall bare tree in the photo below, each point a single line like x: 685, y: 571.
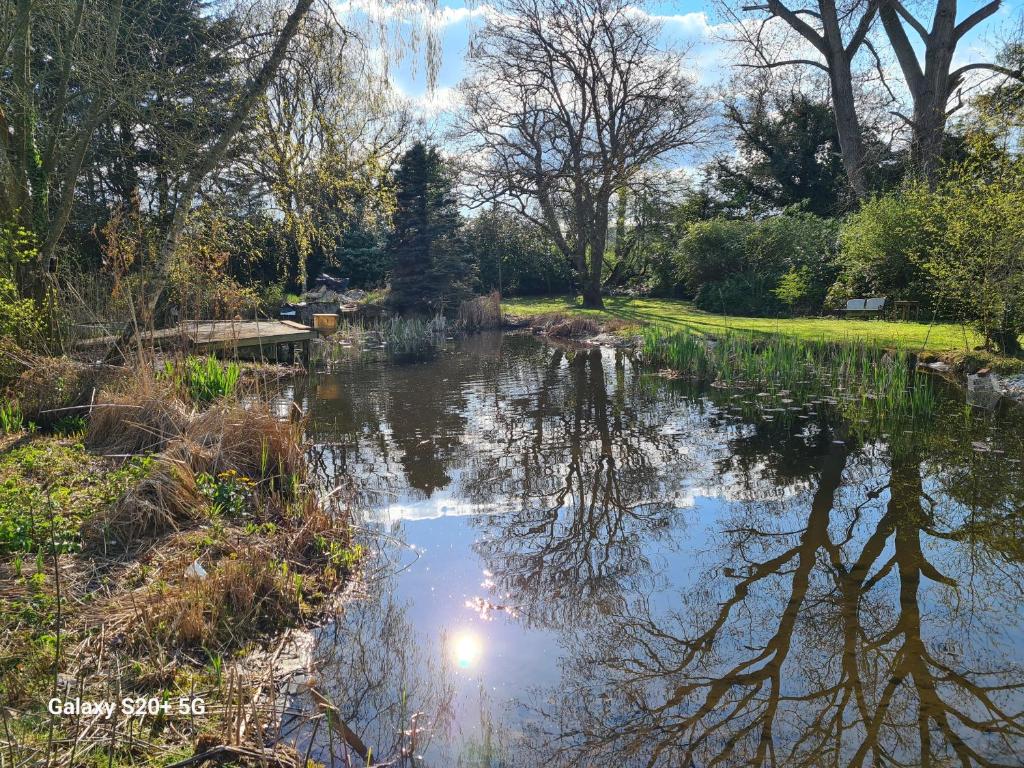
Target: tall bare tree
x: 837, y: 32
x: 569, y: 102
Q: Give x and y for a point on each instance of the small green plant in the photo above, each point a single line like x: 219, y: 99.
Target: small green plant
x: 11, y: 417
x: 229, y: 493
x: 203, y: 380
x: 793, y: 286
x: 70, y: 425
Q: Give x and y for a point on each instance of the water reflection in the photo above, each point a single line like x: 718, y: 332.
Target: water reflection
x: 717, y: 590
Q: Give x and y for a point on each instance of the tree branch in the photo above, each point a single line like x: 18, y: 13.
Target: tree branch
x: 976, y: 18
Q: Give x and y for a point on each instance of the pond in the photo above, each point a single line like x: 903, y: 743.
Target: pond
x: 575, y: 562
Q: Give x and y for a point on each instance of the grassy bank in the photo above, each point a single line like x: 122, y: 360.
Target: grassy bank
x: 151, y: 545
x: 946, y: 339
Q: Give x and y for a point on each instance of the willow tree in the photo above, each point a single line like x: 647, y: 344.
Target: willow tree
x: 568, y: 103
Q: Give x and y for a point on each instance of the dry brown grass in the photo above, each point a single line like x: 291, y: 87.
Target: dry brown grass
x: 165, y: 500
x: 560, y: 325
x: 141, y: 416
x: 482, y: 312
x: 251, y: 440
x: 243, y: 595
x: 50, y: 388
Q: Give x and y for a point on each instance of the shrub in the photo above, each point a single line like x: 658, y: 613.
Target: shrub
x: 977, y: 262
x: 883, y: 247
x: 736, y: 266
x: 713, y: 251
x: 800, y: 243
x: 745, y: 293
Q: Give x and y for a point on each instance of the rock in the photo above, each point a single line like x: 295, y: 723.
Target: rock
x: 1013, y: 387
x: 983, y: 390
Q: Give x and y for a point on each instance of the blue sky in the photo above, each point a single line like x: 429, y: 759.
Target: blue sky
x: 685, y: 22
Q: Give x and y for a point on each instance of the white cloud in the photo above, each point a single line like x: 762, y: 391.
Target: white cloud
x: 413, y: 12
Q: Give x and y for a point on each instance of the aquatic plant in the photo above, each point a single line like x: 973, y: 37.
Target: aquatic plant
x: 867, y: 381
x: 203, y: 380
x: 481, y: 312
x: 11, y: 417
x: 411, y: 339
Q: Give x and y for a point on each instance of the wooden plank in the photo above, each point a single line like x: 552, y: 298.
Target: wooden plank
x: 228, y: 333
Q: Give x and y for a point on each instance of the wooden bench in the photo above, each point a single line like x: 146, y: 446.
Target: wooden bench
x: 864, y: 307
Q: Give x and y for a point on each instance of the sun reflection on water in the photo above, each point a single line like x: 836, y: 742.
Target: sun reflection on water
x: 466, y: 649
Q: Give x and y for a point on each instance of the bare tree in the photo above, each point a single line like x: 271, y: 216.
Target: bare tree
x: 568, y: 103
x: 838, y: 31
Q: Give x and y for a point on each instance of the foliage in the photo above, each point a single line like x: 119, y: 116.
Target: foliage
x: 48, y: 488
x: 20, y: 318
x: 432, y: 269
x: 201, y: 283
x: 734, y: 266
x: 11, y: 417
x: 515, y: 256
x: 203, y: 380
x: 743, y: 293
x: 883, y: 247
x: 977, y: 261
x: 790, y: 155
x: 229, y: 494
x: 792, y: 287
x: 713, y: 250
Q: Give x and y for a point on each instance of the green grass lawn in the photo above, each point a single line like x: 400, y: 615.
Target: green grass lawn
x: 670, y: 313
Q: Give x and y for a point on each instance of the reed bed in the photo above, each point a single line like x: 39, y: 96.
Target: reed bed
x: 402, y: 339
x: 481, y: 313
x: 867, y: 380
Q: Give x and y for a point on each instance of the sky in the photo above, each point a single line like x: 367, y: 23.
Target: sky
x: 687, y: 23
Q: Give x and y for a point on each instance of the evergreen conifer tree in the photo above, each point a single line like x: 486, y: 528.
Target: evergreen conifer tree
x: 432, y: 267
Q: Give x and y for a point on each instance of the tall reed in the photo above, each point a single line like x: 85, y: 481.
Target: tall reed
x: 869, y: 381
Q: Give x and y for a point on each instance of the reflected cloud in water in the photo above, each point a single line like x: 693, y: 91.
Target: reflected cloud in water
x: 665, y: 580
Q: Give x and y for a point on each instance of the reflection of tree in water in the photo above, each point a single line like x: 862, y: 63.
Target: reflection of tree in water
x: 588, y: 478
x: 859, y: 606
x: 869, y: 620
x: 379, y: 675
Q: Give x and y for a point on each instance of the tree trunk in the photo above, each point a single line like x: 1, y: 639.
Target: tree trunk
x: 848, y: 125
x: 592, y: 294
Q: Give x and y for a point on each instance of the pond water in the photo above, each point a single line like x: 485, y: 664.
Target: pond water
x: 575, y: 562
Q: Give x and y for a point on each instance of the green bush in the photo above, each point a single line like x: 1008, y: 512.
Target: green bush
x: 883, y: 248
x: 798, y: 242
x: 737, y: 266
x: 514, y: 256
x: 746, y: 293
x: 712, y: 251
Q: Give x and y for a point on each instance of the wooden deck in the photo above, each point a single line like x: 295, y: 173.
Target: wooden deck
x: 268, y: 337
